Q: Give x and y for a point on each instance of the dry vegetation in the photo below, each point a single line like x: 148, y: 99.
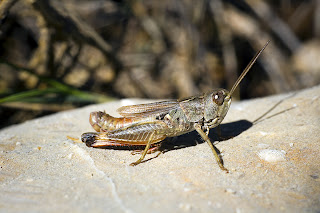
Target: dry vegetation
x: 57, y: 55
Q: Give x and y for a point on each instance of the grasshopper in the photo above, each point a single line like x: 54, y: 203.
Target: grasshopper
x: 149, y: 124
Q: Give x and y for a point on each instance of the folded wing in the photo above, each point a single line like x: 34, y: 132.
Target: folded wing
x: 154, y: 109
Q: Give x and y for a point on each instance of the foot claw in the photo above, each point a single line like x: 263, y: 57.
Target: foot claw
x: 135, y: 163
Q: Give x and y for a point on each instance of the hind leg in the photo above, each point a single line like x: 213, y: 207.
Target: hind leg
x: 145, y: 151
x: 155, y: 148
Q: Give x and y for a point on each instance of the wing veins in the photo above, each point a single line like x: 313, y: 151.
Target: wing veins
x: 155, y: 108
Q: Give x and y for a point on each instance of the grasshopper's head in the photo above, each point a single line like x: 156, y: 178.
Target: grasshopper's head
x: 217, y: 102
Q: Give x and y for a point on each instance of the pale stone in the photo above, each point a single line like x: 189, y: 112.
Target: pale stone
x: 43, y: 171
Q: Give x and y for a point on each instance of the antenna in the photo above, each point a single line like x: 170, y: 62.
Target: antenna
x: 245, y: 71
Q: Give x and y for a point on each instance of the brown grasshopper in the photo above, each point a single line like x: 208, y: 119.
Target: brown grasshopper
x: 148, y: 124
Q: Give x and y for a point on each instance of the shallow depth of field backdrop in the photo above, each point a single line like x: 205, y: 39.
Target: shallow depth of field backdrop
x: 58, y: 55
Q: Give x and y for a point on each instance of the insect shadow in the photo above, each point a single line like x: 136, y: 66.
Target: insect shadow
x: 266, y: 115
x: 227, y: 131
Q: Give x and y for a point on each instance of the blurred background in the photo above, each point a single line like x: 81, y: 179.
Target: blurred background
x: 58, y: 55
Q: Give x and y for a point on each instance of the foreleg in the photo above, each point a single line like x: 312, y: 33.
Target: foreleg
x: 206, y: 138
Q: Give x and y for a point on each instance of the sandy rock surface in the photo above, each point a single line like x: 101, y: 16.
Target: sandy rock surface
x: 274, y: 164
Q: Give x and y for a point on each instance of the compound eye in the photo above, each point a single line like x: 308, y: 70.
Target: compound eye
x: 218, y: 98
